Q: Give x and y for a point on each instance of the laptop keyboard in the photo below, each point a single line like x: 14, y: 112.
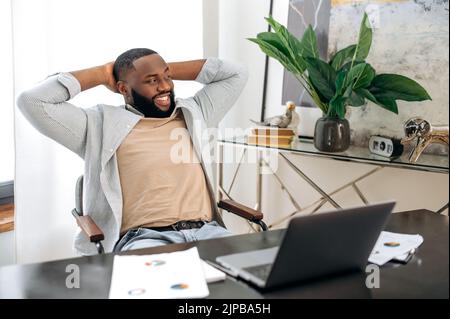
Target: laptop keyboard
x: 260, y: 271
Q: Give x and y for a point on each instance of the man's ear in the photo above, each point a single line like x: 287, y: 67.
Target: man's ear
x: 122, y: 87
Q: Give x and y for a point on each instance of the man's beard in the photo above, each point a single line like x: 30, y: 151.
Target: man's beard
x: 148, y: 107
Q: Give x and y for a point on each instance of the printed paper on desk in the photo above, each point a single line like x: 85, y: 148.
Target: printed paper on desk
x: 212, y: 274
x: 382, y: 253
x: 163, y: 276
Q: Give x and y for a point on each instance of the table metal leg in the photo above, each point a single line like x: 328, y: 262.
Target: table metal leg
x: 237, y: 170
x: 284, y: 188
x: 219, y: 170
x: 440, y: 211
x: 321, y: 201
x: 360, y: 194
x: 223, y: 193
x: 258, y: 180
x: 318, y: 204
x: 310, y: 182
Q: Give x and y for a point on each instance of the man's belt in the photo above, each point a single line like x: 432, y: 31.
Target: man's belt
x: 180, y: 226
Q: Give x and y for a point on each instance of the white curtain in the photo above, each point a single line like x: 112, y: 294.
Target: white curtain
x: 65, y: 35
x: 6, y: 92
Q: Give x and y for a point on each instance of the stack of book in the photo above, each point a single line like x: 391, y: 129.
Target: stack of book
x: 271, y: 136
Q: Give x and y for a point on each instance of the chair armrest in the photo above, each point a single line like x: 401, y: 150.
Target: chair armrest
x: 240, y: 210
x: 89, y: 227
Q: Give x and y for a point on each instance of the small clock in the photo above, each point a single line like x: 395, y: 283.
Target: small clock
x: 385, y: 146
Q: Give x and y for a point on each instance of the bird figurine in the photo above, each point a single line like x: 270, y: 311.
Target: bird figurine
x: 295, y: 121
x: 289, y: 119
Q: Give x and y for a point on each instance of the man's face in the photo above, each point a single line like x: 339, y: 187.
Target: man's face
x: 149, y: 88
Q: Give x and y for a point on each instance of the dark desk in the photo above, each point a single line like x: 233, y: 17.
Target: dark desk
x: 425, y: 276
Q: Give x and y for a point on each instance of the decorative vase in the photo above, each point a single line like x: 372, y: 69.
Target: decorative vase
x: 332, y: 134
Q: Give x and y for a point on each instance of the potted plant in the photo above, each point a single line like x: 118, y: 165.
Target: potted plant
x: 346, y: 80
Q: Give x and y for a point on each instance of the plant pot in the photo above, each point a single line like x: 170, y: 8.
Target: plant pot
x: 332, y: 134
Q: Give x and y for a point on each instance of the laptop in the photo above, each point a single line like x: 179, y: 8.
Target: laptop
x: 314, y: 246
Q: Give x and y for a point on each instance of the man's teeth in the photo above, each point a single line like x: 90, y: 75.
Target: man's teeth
x: 162, y: 99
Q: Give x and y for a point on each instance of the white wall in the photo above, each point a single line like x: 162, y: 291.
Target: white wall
x: 211, y: 29
x: 239, y: 20
x: 7, y: 248
x: 412, y: 190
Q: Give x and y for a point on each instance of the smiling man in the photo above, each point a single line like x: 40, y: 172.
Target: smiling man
x: 134, y: 188
x: 146, y: 82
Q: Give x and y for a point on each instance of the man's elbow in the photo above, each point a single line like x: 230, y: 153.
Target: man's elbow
x: 242, y: 74
x: 28, y: 104
x: 24, y: 102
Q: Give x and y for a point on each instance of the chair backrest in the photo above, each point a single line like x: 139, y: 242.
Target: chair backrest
x: 79, y: 196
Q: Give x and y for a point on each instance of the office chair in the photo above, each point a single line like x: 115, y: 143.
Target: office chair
x: 95, y: 234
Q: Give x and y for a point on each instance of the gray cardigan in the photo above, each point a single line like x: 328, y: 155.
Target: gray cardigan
x: 96, y: 133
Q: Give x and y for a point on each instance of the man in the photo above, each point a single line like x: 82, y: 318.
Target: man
x: 137, y: 187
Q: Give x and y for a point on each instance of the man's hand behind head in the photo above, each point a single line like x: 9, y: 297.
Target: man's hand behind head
x: 110, y: 82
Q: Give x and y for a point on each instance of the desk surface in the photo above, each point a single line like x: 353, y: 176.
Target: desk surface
x: 303, y: 146
x: 425, y: 276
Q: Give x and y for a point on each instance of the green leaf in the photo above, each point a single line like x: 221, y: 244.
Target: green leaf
x: 343, y: 56
x: 273, y: 52
x: 290, y: 43
x: 323, y: 106
x: 347, y: 66
x: 355, y: 99
x: 340, y: 81
x: 337, y: 107
x: 360, y: 76
x: 388, y: 104
x: 398, y: 87
x: 274, y: 40
x: 322, y: 76
x: 364, y: 40
x: 273, y: 23
x: 349, y: 81
x: 366, y: 94
x: 309, y: 44
x: 348, y: 91
x: 365, y: 78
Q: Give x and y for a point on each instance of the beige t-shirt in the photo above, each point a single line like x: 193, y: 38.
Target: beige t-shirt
x: 161, y: 177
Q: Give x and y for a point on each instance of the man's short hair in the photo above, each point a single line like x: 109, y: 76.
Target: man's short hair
x: 124, y: 62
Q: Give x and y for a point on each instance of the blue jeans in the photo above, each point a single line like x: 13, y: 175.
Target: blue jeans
x: 144, y: 238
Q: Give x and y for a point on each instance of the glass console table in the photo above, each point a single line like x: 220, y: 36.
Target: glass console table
x: 305, y: 147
